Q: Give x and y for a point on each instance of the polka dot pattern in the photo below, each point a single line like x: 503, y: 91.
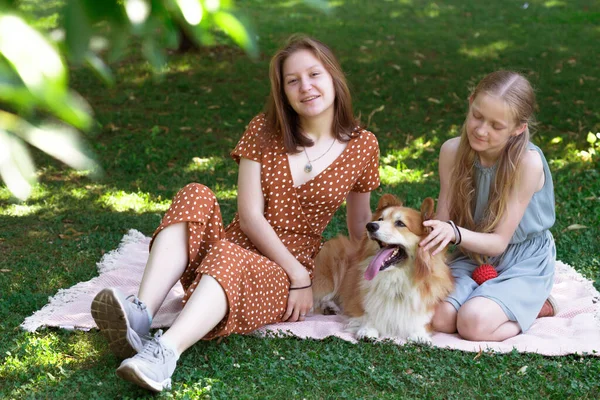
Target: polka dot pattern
x: 256, y: 287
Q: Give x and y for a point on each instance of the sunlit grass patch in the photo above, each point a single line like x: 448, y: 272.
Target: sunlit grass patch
x: 395, y: 168
x: 195, y: 390
x: 574, y: 153
x: 36, y: 352
x: 554, y: 3
x: 593, y: 150
x: 433, y: 10
x: 412, y: 150
x: 179, y: 66
x: 39, y: 360
x: 492, y: 50
x: 139, y: 202
x: 199, y: 164
x: 394, y: 175
x: 4, y: 193
x: 20, y: 210
x: 226, y: 194
x: 79, y: 193
x: 44, y: 12
x: 38, y: 192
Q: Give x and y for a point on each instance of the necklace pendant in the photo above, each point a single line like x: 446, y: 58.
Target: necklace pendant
x: 308, y: 167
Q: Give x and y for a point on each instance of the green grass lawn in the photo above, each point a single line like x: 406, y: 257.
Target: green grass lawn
x: 417, y: 59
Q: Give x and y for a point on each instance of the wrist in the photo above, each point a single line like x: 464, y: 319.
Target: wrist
x: 292, y: 287
x: 299, y: 276
x: 457, y: 234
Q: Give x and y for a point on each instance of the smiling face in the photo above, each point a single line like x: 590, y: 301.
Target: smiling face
x: 490, y: 124
x: 308, y: 85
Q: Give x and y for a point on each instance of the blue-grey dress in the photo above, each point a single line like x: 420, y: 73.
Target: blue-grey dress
x: 526, y: 268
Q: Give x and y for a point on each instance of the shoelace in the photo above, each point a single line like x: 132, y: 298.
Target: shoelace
x: 137, y: 302
x: 142, y: 307
x: 154, y: 350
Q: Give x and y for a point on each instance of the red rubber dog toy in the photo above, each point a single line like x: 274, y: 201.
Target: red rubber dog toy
x: 483, y: 273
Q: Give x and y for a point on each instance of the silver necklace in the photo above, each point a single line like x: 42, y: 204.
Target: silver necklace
x: 308, y: 167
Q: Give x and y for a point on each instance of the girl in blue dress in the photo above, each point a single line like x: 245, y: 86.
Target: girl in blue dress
x: 496, y: 204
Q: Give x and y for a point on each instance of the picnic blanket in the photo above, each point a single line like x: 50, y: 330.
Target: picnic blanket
x: 574, y: 330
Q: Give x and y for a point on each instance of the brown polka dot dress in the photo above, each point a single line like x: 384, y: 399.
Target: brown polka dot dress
x: 257, y: 288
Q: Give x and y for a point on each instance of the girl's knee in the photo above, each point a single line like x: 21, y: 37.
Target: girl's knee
x: 444, y: 318
x: 196, y: 189
x: 195, y: 195
x: 476, y: 323
x: 471, y: 326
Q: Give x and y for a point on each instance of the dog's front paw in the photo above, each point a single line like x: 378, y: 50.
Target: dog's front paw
x: 329, y: 306
x: 361, y: 329
x: 367, y: 333
x: 420, y: 338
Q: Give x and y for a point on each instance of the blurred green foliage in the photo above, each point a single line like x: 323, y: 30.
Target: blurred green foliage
x: 36, y: 104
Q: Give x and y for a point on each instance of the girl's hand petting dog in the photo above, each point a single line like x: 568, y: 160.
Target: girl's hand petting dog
x: 442, y: 234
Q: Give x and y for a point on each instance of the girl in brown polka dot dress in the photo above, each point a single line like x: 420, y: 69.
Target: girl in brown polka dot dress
x: 298, y: 163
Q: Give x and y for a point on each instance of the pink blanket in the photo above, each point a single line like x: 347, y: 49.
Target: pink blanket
x: 576, y: 328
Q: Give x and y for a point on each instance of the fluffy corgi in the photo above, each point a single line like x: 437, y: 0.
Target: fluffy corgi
x: 386, y: 284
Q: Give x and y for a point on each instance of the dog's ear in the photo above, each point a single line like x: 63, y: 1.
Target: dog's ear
x: 427, y: 211
x: 388, y: 200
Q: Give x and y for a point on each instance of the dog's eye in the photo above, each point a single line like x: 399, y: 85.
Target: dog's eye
x: 399, y: 224
x: 380, y: 219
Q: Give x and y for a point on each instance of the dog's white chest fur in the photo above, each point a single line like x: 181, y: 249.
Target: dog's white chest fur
x: 393, y: 308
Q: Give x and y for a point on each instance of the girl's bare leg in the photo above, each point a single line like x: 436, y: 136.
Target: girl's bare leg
x: 482, y: 319
x: 205, y: 308
x: 166, y: 264
x: 444, y: 319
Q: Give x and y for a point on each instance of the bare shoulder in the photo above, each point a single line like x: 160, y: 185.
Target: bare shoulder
x: 450, y: 147
x: 449, y: 150
x: 531, y: 163
x: 531, y: 171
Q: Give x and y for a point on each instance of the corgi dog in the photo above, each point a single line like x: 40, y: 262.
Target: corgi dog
x: 386, y: 284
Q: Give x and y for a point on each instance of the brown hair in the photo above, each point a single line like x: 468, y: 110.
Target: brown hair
x: 518, y: 95
x: 281, y: 119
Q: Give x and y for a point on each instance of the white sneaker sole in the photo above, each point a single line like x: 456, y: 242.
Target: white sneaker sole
x: 130, y: 372
x: 109, y: 315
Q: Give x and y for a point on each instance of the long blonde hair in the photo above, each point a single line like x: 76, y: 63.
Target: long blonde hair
x: 518, y: 95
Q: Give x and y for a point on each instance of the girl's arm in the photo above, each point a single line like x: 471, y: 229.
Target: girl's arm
x: 531, y: 173
x: 251, y: 207
x: 358, y: 213
x: 446, y: 164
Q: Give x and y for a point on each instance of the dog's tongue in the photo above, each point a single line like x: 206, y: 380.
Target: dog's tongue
x: 377, y: 262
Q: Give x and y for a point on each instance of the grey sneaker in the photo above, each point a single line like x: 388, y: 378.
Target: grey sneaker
x: 152, y: 367
x: 125, y: 323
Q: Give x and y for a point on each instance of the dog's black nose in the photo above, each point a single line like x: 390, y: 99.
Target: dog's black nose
x: 372, y: 227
